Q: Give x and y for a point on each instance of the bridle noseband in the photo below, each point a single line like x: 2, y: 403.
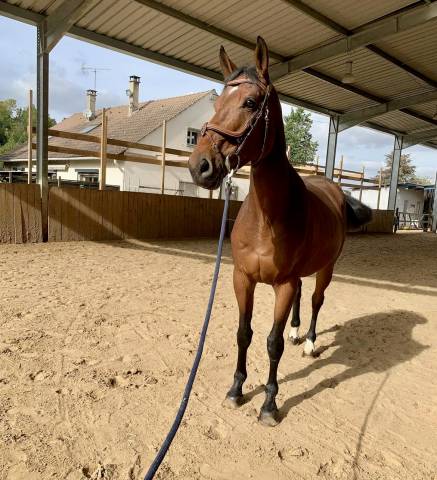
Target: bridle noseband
x: 240, y: 136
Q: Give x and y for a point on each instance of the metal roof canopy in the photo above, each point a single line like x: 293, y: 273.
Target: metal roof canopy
x: 392, y: 44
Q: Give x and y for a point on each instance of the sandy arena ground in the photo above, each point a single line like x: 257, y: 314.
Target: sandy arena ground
x: 97, y: 339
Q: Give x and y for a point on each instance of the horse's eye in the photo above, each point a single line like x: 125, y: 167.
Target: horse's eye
x: 250, y: 103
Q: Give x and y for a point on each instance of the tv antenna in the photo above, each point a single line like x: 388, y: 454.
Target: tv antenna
x: 87, y: 69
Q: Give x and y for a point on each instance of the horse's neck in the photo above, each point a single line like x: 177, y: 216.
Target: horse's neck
x: 275, y: 187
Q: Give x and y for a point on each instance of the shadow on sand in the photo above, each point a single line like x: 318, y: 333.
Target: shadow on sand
x: 371, y: 343
x: 368, y: 344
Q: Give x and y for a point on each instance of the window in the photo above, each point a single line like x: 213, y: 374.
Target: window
x: 88, y: 128
x: 192, y: 135
x: 88, y: 175
x: 188, y: 189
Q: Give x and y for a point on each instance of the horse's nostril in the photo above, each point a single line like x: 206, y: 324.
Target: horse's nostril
x: 205, y: 167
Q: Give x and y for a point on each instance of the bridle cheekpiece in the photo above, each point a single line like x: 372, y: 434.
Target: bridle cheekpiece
x: 241, y: 136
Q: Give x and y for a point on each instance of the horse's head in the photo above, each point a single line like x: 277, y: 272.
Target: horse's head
x: 238, y: 132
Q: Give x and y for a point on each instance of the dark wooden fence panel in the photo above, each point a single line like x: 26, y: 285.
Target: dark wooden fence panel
x: 81, y: 214
x: 20, y: 213
x: 382, y: 222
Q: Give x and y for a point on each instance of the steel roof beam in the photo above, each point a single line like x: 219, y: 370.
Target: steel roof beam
x: 34, y: 18
x: 356, y: 117
x: 378, y: 30
x: 195, y: 22
x: 328, y: 22
x: 419, y: 137
x: 62, y: 19
x: 317, y: 16
x: 21, y: 14
x: 308, y: 105
x: 358, y: 91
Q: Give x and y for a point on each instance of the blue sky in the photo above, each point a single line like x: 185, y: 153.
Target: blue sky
x: 359, y: 146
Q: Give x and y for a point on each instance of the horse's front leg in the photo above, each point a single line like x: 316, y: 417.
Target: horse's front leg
x: 244, y: 289
x: 285, y: 293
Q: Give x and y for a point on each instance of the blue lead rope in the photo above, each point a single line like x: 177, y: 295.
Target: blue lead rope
x: 184, y: 402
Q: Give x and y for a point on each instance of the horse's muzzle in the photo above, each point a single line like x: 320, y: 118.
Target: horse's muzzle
x: 204, y: 173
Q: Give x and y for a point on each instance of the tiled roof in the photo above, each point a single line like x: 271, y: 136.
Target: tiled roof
x: 121, y: 126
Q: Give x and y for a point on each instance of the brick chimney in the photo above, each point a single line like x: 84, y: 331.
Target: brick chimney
x: 90, y: 112
x: 133, y: 93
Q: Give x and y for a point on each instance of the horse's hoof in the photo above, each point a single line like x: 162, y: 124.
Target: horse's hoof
x: 309, y: 349
x: 233, y: 402
x: 294, y: 336
x: 269, y: 419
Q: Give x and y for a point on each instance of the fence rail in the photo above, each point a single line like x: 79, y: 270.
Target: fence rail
x: 343, y: 176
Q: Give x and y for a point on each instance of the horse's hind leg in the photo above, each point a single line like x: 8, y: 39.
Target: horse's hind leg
x: 295, y: 318
x: 244, y: 290
x: 323, y: 279
x: 275, y: 346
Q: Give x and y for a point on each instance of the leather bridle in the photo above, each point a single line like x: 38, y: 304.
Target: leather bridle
x: 241, y: 136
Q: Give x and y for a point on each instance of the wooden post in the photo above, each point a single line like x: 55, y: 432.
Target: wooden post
x: 210, y: 193
x: 361, y: 183
x: 341, y: 171
x: 29, y: 138
x: 379, y: 188
x: 164, y: 141
x: 103, y: 151
x: 317, y: 164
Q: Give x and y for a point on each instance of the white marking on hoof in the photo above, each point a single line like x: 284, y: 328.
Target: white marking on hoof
x: 309, y: 347
x: 294, y: 333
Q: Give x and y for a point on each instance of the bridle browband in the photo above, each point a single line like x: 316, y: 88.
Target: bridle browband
x: 240, y: 136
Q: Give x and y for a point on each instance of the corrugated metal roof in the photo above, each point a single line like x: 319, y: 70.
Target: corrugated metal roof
x: 400, y: 121
x: 311, y: 89
x: 373, y: 74
x: 192, y: 43
x: 352, y: 14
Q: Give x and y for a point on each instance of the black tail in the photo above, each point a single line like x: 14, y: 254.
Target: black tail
x: 357, y: 214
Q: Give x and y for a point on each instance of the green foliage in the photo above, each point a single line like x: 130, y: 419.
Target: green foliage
x: 302, y: 148
x: 13, y: 124
x: 407, y: 171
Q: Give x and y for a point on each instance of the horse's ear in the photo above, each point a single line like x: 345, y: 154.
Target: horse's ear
x: 226, y: 64
x: 262, y: 59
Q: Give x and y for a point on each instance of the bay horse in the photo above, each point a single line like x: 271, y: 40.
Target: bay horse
x: 288, y: 227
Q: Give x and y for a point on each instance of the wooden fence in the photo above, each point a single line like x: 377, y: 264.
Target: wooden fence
x: 382, y: 222
x: 82, y: 214
x: 345, y: 178
x: 20, y: 213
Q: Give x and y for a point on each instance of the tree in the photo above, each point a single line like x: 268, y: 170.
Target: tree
x: 407, y: 171
x: 302, y: 147
x: 13, y: 124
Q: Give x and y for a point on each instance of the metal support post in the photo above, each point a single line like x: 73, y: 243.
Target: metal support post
x: 397, y: 152
x: 42, y: 80
x: 332, y: 147
x: 434, y: 208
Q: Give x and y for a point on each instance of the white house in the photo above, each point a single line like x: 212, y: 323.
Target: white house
x: 139, y: 122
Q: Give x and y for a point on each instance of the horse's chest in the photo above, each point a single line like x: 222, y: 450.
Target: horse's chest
x: 261, y: 257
